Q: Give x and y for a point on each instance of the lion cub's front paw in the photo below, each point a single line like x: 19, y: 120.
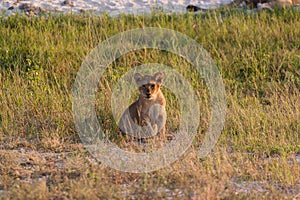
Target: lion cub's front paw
x: 155, y: 129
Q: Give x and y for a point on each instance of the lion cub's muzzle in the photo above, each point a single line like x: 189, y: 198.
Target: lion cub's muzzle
x: 149, y: 90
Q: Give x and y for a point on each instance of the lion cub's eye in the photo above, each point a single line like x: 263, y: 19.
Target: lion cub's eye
x: 152, y: 86
x: 144, y: 86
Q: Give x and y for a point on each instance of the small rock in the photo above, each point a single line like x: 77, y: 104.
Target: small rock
x: 25, y: 6
x: 264, y: 6
x: 192, y: 8
x: 69, y: 3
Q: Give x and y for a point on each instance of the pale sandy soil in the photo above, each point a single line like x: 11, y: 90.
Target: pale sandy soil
x: 110, y: 6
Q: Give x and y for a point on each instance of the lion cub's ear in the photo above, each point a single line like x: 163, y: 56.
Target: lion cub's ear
x: 159, y: 77
x: 138, y: 77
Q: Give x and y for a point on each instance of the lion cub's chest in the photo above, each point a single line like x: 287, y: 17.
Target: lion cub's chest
x: 145, y: 112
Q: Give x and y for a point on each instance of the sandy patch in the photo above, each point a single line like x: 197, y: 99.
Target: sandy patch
x: 110, y: 6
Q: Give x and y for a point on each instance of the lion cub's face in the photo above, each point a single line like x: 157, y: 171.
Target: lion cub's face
x: 148, y: 85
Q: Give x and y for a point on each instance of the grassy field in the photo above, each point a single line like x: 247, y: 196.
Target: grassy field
x: 257, y: 155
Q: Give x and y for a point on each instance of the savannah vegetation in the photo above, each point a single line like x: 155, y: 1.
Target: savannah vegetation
x: 258, y: 55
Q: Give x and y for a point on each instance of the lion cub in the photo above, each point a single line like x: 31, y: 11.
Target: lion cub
x: 146, y: 117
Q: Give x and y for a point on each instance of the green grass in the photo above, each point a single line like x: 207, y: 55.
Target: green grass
x: 41, y: 156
